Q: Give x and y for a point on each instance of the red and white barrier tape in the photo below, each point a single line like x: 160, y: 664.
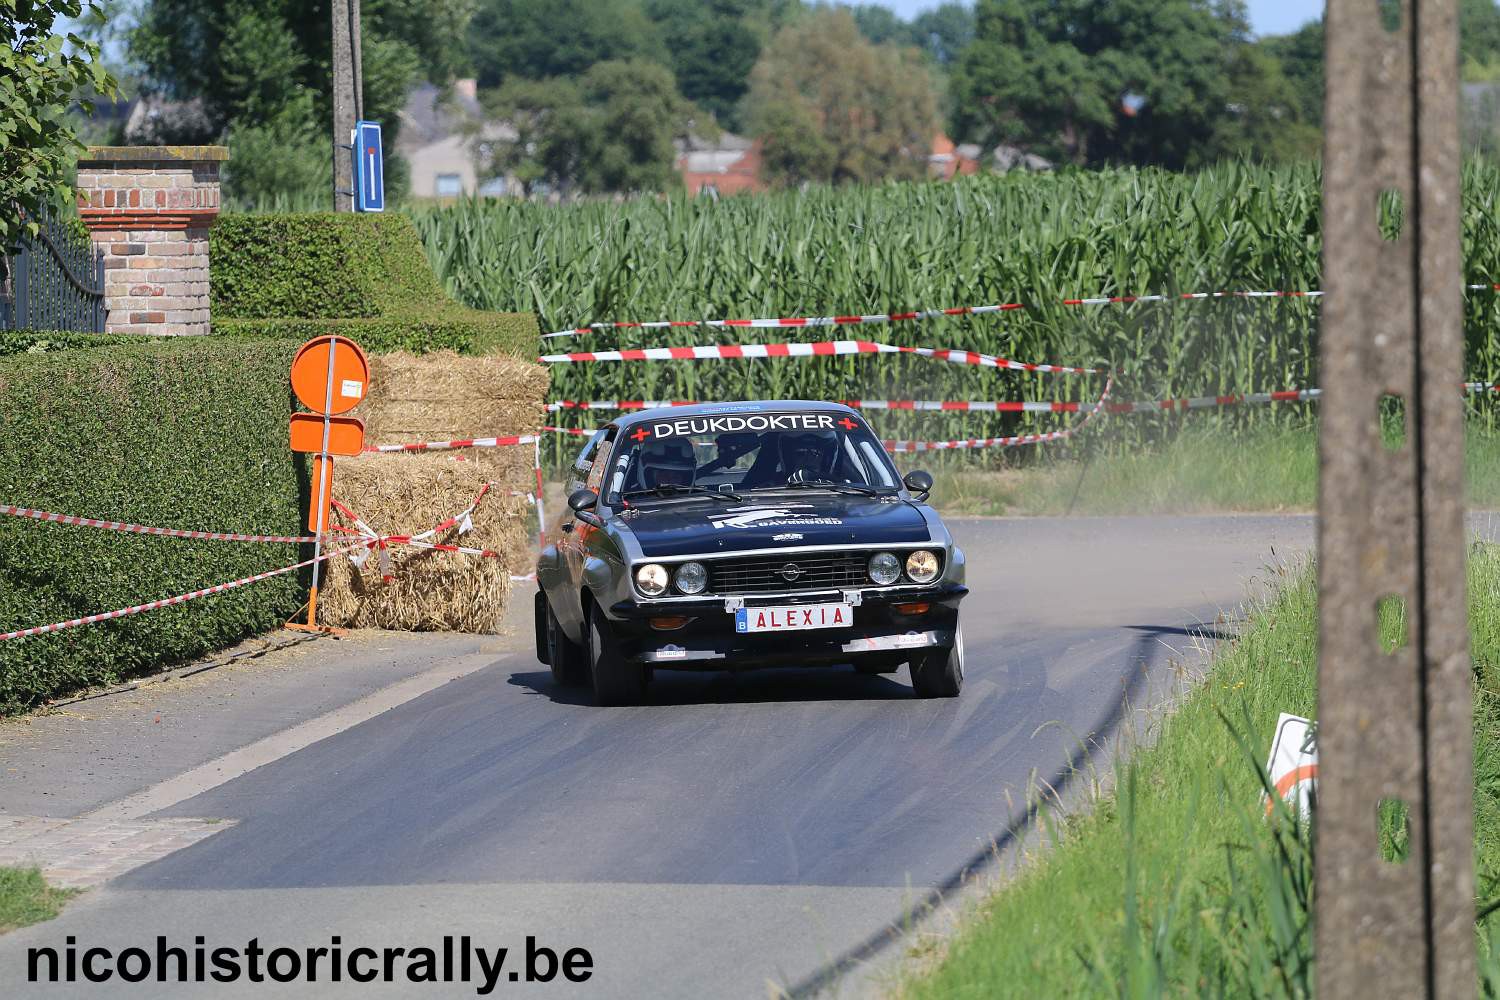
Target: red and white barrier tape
x: 899, y: 447
x: 488, y: 442
x: 423, y: 540
x: 142, y: 529
x: 925, y: 314
x: 919, y: 314
x: 821, y: 349
x: 166, y: 602
x: 615, y: 404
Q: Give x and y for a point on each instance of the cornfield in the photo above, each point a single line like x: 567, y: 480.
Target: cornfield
x: 1035, y: 239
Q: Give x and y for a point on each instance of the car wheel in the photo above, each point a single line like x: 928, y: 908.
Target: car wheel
x: 616, y: 682
x: 939, y: 673
x: 569, y: 660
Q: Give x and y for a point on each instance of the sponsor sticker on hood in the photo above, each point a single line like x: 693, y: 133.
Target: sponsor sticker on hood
x: 774, y: 516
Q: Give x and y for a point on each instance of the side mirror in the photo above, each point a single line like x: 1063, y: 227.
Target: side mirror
x: 918, y: 481
x: 583, y: 503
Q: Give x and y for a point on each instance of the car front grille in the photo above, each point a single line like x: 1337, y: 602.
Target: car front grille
x: 774, y: 574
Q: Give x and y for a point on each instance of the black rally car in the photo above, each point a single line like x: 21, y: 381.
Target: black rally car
x: 740, y: 535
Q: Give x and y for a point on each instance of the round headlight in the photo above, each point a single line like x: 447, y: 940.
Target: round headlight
x: 922, y: 566
x: 651, y: 579
x: 885, y: 568
x: 692, y: 578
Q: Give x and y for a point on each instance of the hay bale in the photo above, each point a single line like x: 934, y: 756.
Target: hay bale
x: 432, y: 591
x: 444, y: 395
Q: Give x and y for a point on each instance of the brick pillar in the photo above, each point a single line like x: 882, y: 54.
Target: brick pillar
x: 150, y: 208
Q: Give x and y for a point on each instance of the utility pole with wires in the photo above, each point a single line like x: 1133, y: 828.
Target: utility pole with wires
x: 1394, y: 735
x: 348, y: 98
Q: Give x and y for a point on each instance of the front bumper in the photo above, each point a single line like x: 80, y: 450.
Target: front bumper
x: 709, y: 641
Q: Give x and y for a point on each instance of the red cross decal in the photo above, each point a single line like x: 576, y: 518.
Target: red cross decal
x: 640, y: 435
x: 847, y: 424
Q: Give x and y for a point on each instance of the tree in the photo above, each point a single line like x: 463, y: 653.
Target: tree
x: 1024, y: 81
x: 941, y: 33
x: 1300, y: 55
x: 1264, y: 119
x: 262, y: 72
x: 610, y: 131
x: 830, y: 106
x: 880, y: 25
x: 944, y: 32
x: 711, y: 46
x: 537, y: 157
x: 541, y: 39
x: 41, y: 71
x: 1138, y: 81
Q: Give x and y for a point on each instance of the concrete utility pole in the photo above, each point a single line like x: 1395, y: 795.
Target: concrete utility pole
x: 348, y: 97
x: 1393, y: 727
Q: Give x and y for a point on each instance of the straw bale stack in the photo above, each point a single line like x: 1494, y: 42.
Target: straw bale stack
x: 442, y: 396
x: 430, y: 591
x: 434, y: 397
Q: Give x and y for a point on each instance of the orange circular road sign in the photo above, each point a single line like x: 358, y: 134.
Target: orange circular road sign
x: 351, y: 375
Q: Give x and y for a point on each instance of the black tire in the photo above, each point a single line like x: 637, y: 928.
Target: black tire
x: 878, y: 665
x: 569, y: 660
x: 939, y: 673
x: 616, y: 682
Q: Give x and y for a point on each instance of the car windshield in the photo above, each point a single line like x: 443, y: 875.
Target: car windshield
x: 682, y: 456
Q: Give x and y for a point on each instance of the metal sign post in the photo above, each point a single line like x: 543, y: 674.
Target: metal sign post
x: 330, y: 376
x: 1394, y: 726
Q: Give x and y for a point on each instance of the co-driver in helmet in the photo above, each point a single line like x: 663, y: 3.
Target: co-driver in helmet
x: 667, y: 463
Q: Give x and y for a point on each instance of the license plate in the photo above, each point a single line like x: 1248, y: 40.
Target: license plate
x: 793, y: 619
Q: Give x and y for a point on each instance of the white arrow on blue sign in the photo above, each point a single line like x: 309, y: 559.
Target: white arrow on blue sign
x: 369, y: 168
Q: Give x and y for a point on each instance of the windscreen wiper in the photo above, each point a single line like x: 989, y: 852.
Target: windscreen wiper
x: 829, y: 484
x: 670, y: 489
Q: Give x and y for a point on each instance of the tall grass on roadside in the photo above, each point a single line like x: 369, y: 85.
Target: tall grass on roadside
x: 1177, y: 883
x: 1207, y: 467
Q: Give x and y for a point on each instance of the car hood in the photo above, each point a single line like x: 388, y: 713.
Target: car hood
x: 710, y: 527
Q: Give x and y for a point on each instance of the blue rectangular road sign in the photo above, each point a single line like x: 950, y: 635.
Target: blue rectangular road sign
x: 369, y: 168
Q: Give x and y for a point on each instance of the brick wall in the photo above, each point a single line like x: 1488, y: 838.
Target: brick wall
x: 150, y: 208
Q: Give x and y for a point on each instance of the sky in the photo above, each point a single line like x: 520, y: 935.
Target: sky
x: 1267, y: 17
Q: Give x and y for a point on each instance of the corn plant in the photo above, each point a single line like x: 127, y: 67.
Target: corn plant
x: 1035, y: 239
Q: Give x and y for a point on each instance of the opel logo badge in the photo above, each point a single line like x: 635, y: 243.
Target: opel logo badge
x: 790, y: 572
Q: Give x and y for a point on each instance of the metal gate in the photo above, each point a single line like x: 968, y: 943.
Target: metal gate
x: 55, y: 282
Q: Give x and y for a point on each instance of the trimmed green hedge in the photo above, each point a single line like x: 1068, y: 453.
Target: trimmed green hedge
x: 463, y: 330
x: 188, y: 433
x: 289, y: 275
x: 49, y: 341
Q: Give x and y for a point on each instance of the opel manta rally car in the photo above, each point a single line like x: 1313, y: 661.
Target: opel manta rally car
x: 738, y: 535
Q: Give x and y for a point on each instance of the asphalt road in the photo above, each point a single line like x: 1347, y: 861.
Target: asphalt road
x: 739, y: 835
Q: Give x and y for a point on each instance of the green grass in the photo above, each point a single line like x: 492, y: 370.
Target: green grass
x: 1203, y: 469
x: 26, y: 898
x: 1174, y: 884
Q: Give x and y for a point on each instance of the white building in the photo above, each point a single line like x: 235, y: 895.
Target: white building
x: 438, y: 131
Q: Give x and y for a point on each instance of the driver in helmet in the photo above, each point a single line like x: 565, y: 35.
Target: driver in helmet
x: 806, y: 457
x: 667, y: 463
